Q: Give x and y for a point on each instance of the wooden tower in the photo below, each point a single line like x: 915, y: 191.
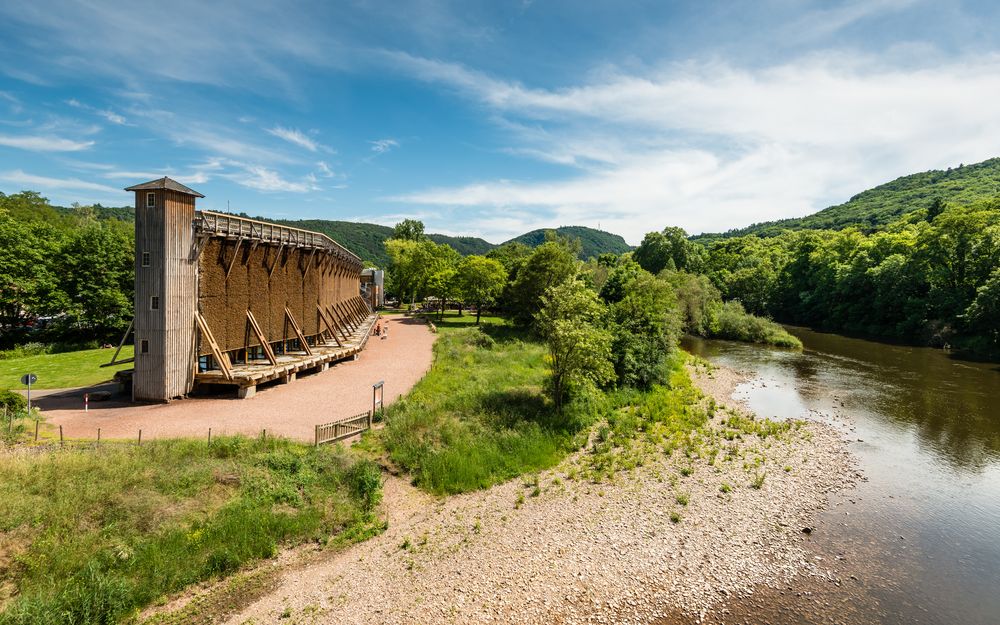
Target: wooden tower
x: 166, y: 290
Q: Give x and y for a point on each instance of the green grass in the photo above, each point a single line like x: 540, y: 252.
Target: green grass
x: 65, y: 370
x: 91, y: 537
x: 478, y: 417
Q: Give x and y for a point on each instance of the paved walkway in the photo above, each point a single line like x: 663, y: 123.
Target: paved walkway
x: 291, y: 410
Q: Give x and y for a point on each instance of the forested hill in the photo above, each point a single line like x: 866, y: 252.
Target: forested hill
x: 364, y: 239
x: 595, y: 242
x: 874, y: 208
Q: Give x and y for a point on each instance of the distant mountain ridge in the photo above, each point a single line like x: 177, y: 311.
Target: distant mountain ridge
x: 878, y: 206
x: 367, y: 239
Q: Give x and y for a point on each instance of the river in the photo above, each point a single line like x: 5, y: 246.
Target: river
x: 919, y: 541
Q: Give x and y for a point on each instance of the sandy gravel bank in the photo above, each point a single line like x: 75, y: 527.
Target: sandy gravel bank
x: 578, y: 552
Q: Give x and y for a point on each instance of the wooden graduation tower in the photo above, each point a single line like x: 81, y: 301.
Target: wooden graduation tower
x: 222, y: 299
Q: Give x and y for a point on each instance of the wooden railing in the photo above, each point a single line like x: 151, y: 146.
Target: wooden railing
x: 220, y: 224
x: 344, y: 428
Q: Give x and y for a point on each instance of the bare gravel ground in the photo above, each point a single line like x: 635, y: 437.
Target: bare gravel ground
x: 290, y: 410
x: 579, y: 552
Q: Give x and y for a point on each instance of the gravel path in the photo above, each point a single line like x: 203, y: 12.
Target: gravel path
x: 289, y: 410
x: 578, y: 552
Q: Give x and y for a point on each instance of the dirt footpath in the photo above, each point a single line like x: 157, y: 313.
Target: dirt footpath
x: 289, y: 410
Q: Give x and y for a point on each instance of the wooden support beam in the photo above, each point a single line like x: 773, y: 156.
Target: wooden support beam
x: 309, y: 263
x: 277, y: 259
x: 220, y: 356
x: 345, y: 315
x: 337, y: 321
x: 121, y: 343
x: 329, y: 327
x: 236, y: 252
x: 199, y: 246
x: 298, y: 332
x: 268, y: 352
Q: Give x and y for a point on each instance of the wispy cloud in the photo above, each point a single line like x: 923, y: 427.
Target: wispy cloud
x: 264, y: 179
x: 32, y: 181
x: 714, y: 145
x: 113, y: 117
x: 295, y: 137
x: 381, y: 146
x: 44, y: 143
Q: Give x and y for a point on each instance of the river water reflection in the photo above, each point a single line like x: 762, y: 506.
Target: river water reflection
x: 922, y: 535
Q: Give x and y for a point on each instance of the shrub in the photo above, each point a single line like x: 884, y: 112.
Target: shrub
x: 736, y: 324
x: 12, y: 402
x: 365, y: 480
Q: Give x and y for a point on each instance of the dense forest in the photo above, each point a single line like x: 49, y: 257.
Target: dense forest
x: 66, y: 275
x: 884, y: 204
x: 914, y: 260
x: 931, y: 277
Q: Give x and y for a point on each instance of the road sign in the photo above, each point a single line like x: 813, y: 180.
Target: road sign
x: 28, y: 379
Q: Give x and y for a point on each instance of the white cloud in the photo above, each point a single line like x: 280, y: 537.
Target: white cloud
x: 324, y: 169
x: 381, y: 146
x: 113, y: 117
x: 32, y: 181
x: 44, y: 143
x: 710, y: 146
x: 264, y: 179
x: 294, y: 136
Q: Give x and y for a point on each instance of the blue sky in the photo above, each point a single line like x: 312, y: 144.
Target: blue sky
x: 492, y: 118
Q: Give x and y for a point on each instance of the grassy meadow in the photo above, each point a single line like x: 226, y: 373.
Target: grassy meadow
x: 92, y: 536
x: 62, y: 370
x: 478, y: 417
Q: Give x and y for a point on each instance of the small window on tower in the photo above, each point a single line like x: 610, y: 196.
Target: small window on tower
x: 144, y: 346
x: 150, y: 200
x: 154, y: 302
x: 145, y: 259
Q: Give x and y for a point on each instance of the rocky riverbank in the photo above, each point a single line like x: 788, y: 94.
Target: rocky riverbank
x: 670, y: 541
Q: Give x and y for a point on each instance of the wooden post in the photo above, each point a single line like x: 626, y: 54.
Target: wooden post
x: 209, y: 436
x: 60, y: 436
x: 98, y: 437
x: 36, y: 430
x: 140, y: 438
x: 316, y: 439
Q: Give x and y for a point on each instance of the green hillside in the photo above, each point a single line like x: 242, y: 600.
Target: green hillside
x: 595, y: 242
x: 874, y: 208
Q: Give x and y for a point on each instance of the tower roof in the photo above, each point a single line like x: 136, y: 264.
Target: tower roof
x: 164, y: 183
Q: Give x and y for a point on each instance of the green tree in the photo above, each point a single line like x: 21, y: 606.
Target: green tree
x: 28, y: 281
x: 645, y: 326
x: 481, y: 280
x: 698, y: 301
x: 669, y: 249
x: 983, y: 315
x: 97, y: 276
x: 620, y: 279
x: 571, y: 320
x: 552, y: 263
x: 409, y: 230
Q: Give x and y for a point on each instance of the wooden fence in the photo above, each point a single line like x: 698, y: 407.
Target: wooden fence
x: 344, y: 428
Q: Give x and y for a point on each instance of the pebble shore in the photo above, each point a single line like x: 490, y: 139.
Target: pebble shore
x: 579, y: 552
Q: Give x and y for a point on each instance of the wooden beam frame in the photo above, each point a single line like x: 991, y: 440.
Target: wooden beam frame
x: 345, y: 316
x: 309, y: 263
x: 298, y: 332
x: 338, y: 322
x: 236, y: 252
x: 277, y: 259
x: 329, y: 327
x: 220, y: 357
x: 114, y: 359
x: 268, y: 352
